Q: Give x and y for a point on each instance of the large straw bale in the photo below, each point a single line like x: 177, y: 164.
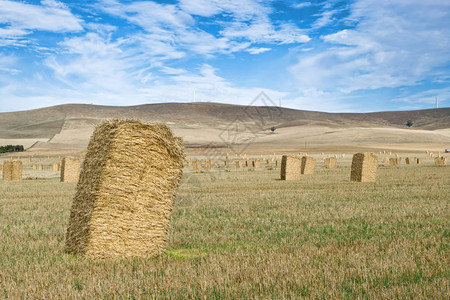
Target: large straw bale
x: 308, y: 164
x: 331, y: 163
x: 124, y: 198
x: 70, y: 169
x: 364, y: 167
x: 12, y: 170
x: 407, y: 161
x: 40, y: 167
x: 55, y: 167
x: 238, y: 164
x: 291, y: 167
x: 207, y: 164
x: 418, y: 161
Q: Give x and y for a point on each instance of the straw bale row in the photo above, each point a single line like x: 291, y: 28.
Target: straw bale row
x: 12, y: 170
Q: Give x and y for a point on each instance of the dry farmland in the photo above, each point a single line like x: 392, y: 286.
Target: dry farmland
x: 244, y: 233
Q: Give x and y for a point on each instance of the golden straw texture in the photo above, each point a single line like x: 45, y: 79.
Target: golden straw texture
x: 124, y: 198
x: 331, y: 163
x: 308, y: 164
x: 70, y: 169
x: 364, y: 167
x: 291, y: 167
x: 12, y: 170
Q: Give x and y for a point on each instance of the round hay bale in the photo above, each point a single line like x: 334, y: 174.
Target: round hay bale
x: 124, y: 198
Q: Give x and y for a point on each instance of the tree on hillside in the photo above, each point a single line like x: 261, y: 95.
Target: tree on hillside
x: 272, y: 129
x: 409, y: 123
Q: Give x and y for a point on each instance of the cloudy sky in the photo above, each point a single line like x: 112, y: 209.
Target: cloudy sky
x: 329, y: 55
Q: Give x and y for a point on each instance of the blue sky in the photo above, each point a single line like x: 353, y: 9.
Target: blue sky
x: 330, y: 55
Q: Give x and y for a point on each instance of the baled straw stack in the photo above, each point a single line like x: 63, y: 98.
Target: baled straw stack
x: 392, y: 161
x: 40, y: 167
x: 238, y: 164
x: 34, y: 167
x: 12, y: 170
x: 308, y: 164
x: 124, y: 198
x: 407, y: 161
x: 418, y: 161
x: 70, y: 169
x: 291, y: 167
x: 197, y: 165
x: 207, y: 164
x: 1, y: 167
x: 256, y: 164
x: 226, y: 163
x: 331, y: 163
x: 55, y: 167
x: 364, y: 167
x: 16, y: 170
x: 7, y: 170
x: 440, y: 161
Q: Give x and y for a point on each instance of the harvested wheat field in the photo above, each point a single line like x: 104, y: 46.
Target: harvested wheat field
x: 244, y: 233
x: 124, y: 197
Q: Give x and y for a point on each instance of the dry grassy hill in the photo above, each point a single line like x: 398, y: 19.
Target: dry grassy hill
x: 70, y: 126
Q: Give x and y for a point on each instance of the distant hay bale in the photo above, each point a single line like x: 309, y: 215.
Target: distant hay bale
x: 238, y: 164
x: 291, y: 167
x: 70, y: 169
x: 12, y: 170
x: 277, y: 163
x: 392, y: 161
x: 55, y: 167
x: 407, y: 161
x: 124, y: 198
x: 418, y: 161
x: 34, y: 167
x: 197, y: 165
x: 308, y: 164
x: 7, y: 170
x: 40, y: 167
x: 364, y: 167
x: 331, y: 163
x: 207, y: 164
x: 226, y: 163
x: 256, y: 164
x: 1, y: 167
x: 440, y: 161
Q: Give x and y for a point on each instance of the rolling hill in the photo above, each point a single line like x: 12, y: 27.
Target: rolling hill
x: 70, y: 125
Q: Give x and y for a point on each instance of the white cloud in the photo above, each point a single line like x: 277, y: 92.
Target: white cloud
x: 51, y: 16
x: 427, y: 97
x: 301, y: 5
x: 394, y: 44
x: 257, y: 50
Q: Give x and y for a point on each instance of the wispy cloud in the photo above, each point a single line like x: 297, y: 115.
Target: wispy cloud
x: 394, y: 44
x: 50, y: 16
